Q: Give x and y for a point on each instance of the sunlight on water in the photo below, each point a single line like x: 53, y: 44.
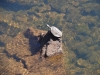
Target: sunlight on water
x: 78, y: 19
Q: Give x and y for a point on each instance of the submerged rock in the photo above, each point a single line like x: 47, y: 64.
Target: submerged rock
x: 23, y: 54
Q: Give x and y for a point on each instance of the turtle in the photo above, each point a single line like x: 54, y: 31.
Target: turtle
x: 55, y: 31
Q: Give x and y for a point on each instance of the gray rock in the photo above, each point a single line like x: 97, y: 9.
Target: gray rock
x: 51, y: 45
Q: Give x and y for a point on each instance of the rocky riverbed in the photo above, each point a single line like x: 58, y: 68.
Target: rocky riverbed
x: 23, y: 58
x: 78, y: 19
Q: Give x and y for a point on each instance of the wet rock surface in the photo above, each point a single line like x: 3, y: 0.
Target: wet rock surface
x: 51, y: 45
x: 22, y: 55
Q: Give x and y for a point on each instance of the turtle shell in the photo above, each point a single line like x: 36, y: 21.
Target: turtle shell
x: 55, y: 31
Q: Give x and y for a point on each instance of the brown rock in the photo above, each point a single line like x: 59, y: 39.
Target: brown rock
x: 23, y: 53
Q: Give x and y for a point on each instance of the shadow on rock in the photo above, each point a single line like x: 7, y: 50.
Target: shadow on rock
x: 44, y: 43
x: 34, y: 41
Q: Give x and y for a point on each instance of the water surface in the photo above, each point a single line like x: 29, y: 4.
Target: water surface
x: 79, y: 20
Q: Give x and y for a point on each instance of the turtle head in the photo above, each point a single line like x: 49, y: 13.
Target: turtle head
x: 48, y: 26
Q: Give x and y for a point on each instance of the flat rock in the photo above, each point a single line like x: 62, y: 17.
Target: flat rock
x: 23, y: 55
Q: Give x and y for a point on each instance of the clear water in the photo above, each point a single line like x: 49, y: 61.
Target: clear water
x: 78, y: 19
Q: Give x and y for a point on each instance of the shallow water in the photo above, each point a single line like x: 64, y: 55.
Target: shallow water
x: 78, y: 19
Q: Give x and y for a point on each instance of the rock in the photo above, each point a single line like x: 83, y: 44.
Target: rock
x: 51, y: 45
x: 23, y: 53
